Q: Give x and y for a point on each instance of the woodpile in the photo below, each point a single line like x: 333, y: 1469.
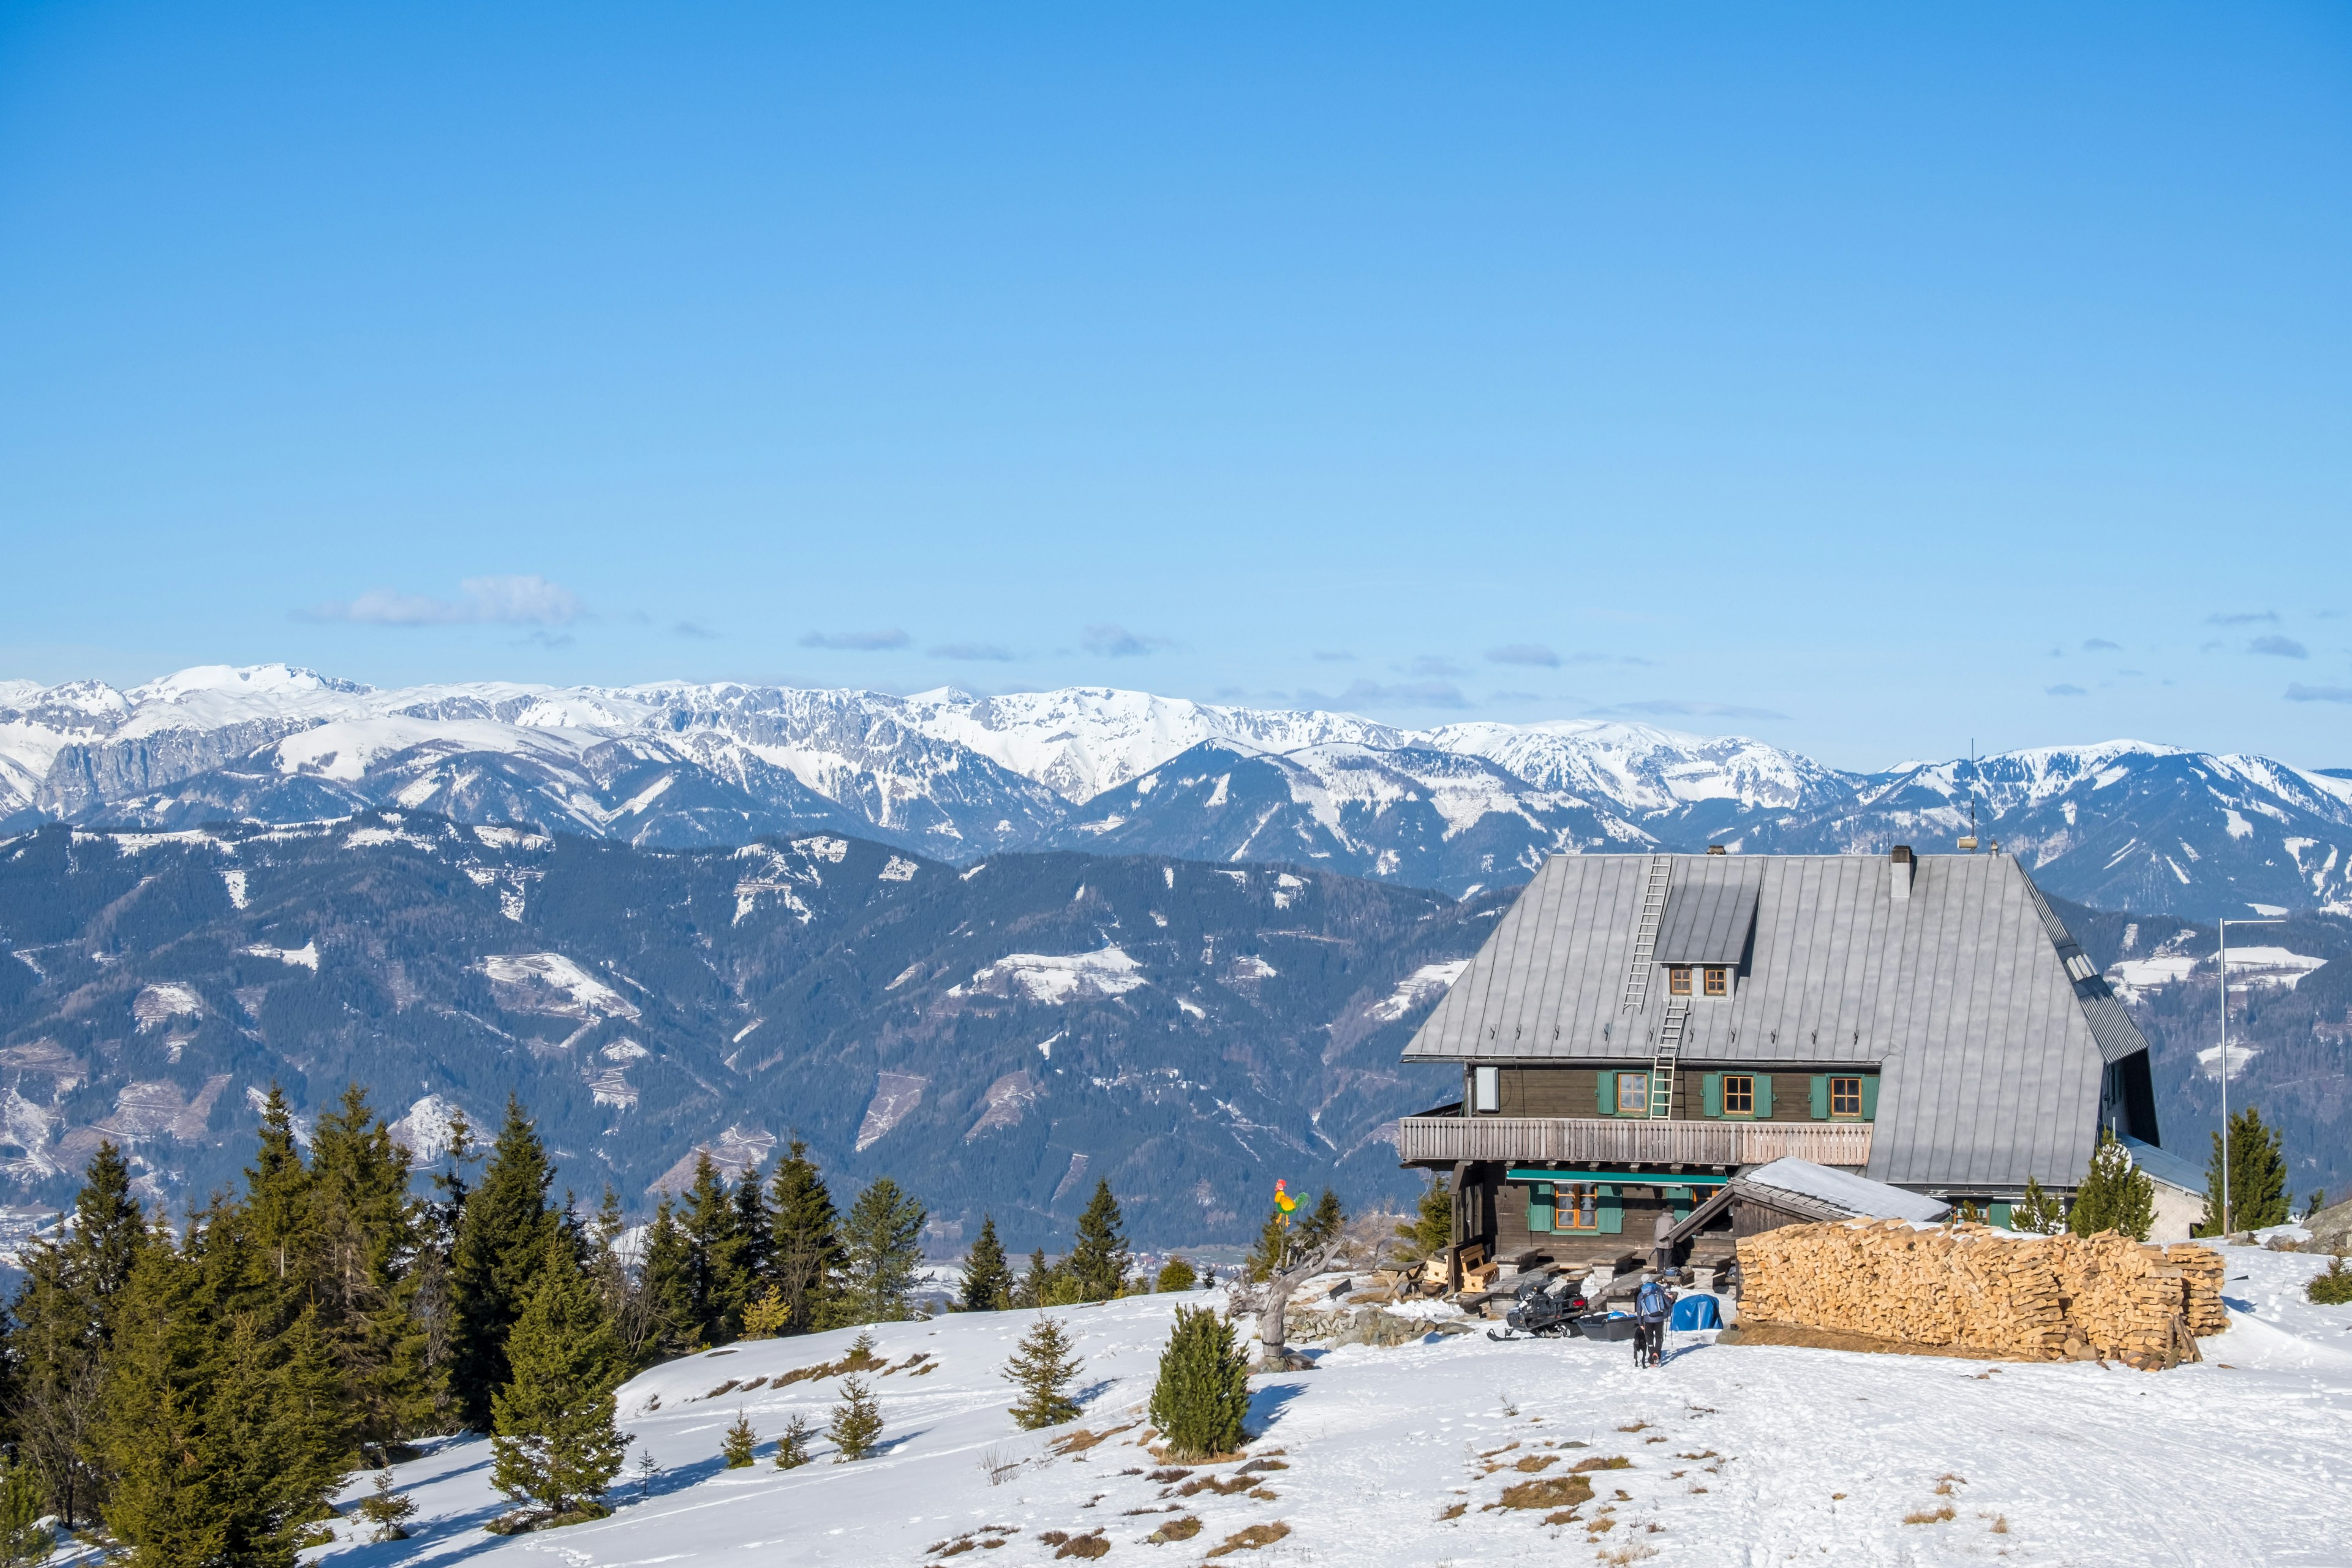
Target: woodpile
x: 2037, y: 1298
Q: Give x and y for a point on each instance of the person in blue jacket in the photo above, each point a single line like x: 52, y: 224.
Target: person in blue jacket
x: 1653, y: 1303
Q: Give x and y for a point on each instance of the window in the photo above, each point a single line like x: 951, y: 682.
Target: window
x: 1678, y: 980
x: 1572, y: 1206
x: 1845, y: 1097
x: 1718, y: 980
x: 1633, y: 1093
x: 1487, y: 1089
x: 1738, y: 1094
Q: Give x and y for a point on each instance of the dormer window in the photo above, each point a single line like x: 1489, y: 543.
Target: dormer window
x: 1718, y: 980
x: 1678, y: 980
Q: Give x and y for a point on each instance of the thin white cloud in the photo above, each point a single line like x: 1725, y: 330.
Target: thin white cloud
x: 2297, y: 691
x: 858, y: 642
x: 1533, y: 653
x: 1108, y: 641
x: 519, y: 600
x: 2065, y: 689
x: 1678, y: 707
x: 2242, y: 617
x: 2101, y: 644
x: 2278, y: 647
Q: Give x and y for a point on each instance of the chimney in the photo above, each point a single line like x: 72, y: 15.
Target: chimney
x: 1901, y: 860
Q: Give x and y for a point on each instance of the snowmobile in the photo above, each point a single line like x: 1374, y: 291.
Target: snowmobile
x: 1548, y: 1307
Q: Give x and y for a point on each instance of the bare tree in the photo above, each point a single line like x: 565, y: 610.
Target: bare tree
x: 1270, y: 1298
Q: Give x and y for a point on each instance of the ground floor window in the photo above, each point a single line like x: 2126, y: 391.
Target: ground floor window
x: 1564, y: 1207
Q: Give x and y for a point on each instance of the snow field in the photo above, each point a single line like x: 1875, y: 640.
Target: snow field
x: 1801, y: 1456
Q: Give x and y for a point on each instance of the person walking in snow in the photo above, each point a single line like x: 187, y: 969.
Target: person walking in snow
x: 1652, y: 1305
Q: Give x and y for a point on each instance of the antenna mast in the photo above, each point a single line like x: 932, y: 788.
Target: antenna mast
x: 1969, y: 842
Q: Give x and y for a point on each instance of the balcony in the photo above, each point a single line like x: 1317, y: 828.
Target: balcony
x: 1441, y: 1140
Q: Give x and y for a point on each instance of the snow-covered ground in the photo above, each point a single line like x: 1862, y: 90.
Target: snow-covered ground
x: 1738, y: 1454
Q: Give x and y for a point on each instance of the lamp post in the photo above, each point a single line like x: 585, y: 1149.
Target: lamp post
x: 2221, y: 960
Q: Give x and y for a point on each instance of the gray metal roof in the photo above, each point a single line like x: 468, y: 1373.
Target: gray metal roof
x: 1707, y: 921
x: 1991, y: 1054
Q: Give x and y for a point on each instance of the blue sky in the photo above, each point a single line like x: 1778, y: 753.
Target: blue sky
x: 1865, y: 379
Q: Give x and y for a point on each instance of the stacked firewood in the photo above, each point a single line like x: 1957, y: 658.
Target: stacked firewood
x: 1971, y: 1286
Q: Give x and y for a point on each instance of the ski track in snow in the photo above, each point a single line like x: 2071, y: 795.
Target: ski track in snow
x: 2244, y: 1463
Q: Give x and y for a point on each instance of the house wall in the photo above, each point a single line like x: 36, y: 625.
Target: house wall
x: 1575, y: 1092
x: 2176, y: 1212
x: 1503, y: 1211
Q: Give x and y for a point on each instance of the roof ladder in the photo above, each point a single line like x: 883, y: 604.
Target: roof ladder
x: 1662, y: 1064
x: 1645, y: 935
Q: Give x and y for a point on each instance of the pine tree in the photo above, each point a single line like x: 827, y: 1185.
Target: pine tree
x: 767, y: 1317
x: 1176, y: 1275
x: 62, y: 1324
x: 1431, y: 1229
x: 2257, y: 1177
x: 1203, y: 1393
x: 2114, y: 1195
x: 277, y: 1194
x: 1097, y: 1265
x: 2037, y: 1213
x: 856, y: 1424
x: 502, y: 1243
x: 555, y: 1444
x: 882, y: 1252
x: 23, y: 1538
x: 804, y: 1259
x: 740, y: 1266
x: 1272, y: 1249
x: 1042, y: 1368
x: 1323, y: 1225
x: 709, y: 1225
x: 1036, y: 1284
x: 167, y: 1501
x: 741, y: 1444
x: 665, y: 1284
x: 387, y: 1509
x: 792, y: 1449
x: 363, y: 1233
x: 987, y: 1280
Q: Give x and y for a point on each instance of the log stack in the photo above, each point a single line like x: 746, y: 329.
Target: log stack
x: 1972, y: 1287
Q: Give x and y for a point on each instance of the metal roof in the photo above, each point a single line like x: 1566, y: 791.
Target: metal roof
x: 1707, y: 921
x: 1991, y: 1053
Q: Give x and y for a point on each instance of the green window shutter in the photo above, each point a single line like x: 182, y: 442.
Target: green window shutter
x: 1763, y: 1096
x: 1605, y: 1090
x: 1539, y: 1206
x: 1820, y: 1097
x: 1870, y: 1098
x: 2001, y: 1216
x: 1712, y: 1093
x: 1610, y: 1213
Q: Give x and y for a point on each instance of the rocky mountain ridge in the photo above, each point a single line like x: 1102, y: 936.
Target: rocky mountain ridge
x: 952, y: 775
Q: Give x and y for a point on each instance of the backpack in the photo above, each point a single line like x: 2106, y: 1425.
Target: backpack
x: 1650, y: 1301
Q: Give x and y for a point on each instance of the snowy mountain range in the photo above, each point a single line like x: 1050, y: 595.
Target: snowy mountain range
x: 955, y: 776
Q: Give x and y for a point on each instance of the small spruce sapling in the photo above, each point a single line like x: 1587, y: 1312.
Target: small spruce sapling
x: 2331, y: 1289
x: 1044, y: 1369
x: 1176, y: 1275
x: 1203, y: 1393
x: 1431, y: 1229
x: 648, y: 1469
x: 741, y: 1444
x: 386, y: 1510
x: 987, y: 1278
x: 2036, y: 1214
x: 861, y: 1352
x: 767, y: 1317
x: 2115, y: 1195
x: 24, y: 1539
x: 792, y: 1449
x: 856, y: 1424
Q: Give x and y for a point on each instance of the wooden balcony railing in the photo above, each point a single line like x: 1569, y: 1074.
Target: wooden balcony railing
x: 1567, y: 1139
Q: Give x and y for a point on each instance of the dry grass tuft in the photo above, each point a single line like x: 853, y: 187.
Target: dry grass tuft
x: 1552, y: 1491
x: 1631, y: 1552
x: 1090, y: 1544
x: 1079, y: 1441
x: 1565, y: 1516
x: 1614, y: 1462
x: 1182, y: 1529
x: 1263, y: 1495
x: 1456, y: 1511
x: 1172, y: 1473
x: 1534, y: 1462
x: 1250, y: 1540
x: 1923, y: 1516
x: 1636, y: 1427
x: 1504, y: 1449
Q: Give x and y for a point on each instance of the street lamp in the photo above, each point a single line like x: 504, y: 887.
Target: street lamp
x: 2222, y: 959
